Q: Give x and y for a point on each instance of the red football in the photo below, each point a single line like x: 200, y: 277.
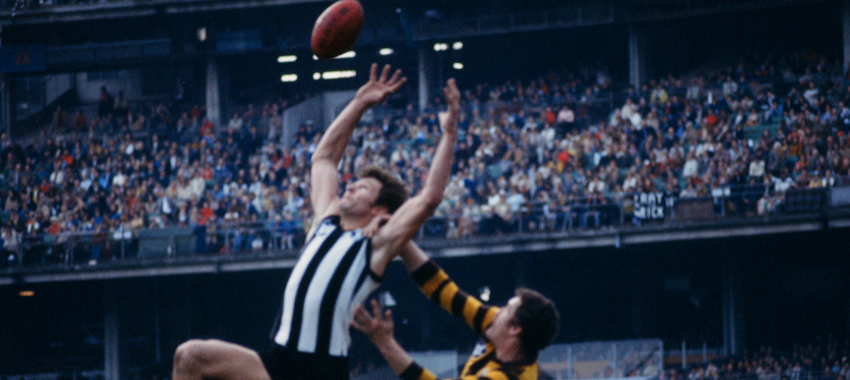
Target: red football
x: 337, y: 29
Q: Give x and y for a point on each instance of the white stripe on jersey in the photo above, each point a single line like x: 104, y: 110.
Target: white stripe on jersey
x: 307, y: 255
x: 318, y: 287
x: 347, y: 302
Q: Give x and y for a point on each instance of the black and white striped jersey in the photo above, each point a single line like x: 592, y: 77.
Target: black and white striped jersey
x: 330, y: 279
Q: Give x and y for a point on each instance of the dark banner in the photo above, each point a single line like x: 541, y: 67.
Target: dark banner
x: 23, y: 59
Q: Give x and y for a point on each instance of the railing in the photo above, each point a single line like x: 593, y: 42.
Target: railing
x: 72, y: 249
x: 428, y: 29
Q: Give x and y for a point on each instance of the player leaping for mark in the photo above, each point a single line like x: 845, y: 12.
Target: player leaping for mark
x: 338, y: 266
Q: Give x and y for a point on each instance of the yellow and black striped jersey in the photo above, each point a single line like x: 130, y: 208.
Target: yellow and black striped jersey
x: 483, y: 364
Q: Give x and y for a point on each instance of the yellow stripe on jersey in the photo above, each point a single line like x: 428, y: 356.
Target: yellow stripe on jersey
x: 433, y: 283
x: 437, y: 285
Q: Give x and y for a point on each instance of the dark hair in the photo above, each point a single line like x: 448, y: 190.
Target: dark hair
x: 539, y: 319
x: 393, y: 190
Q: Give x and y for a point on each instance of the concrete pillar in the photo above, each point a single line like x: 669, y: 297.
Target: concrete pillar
x: 212, y: 93
x: 733, y: 328
x: 845, y: 24
x: 424, y: 78
x: 4, y: 99
x: 638, y: 55
x: 111, y: 336
x: 4, y: 106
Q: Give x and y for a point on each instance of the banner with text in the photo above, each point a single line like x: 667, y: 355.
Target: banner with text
x: 650, y: 206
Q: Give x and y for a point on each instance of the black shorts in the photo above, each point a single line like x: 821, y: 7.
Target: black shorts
x: 285, y: 364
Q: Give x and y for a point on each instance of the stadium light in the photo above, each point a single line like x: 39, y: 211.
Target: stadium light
x: 385, y: 51
x: 441, y: 47
x: 202, y: 34
x: 288, y: 77
x: 457, y: 66
x: 328, y: 75
x: 317, y: 76
x: 350, y: 54
x: 26, y: 293
x: 287, y: 58
x: 457, y: 45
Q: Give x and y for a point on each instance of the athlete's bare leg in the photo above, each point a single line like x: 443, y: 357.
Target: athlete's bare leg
x: 216, y: 359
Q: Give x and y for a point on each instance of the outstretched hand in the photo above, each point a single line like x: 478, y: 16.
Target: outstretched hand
x: 378, y: 89
x: 375, y: 325
x: 448, y: 119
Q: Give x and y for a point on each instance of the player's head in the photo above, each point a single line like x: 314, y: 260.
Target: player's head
x: 530, y: 317
x: 539, y: 319
x: 375, y: 190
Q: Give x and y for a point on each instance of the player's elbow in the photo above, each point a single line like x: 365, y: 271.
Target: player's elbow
x: 321, y: 156
x: 431, y: 200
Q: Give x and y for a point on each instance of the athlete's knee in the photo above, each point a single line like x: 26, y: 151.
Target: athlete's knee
x: 190, y: 355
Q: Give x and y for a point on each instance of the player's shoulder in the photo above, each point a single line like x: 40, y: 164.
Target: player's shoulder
x: 327, y: 225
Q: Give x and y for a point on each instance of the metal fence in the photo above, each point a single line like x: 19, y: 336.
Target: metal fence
x: 604, y: 360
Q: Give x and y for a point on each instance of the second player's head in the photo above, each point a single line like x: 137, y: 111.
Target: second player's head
x: 375, y: 191
x: 529, y: 318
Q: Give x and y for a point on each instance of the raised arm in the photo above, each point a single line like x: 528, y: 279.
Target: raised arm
x: 407, y: 220
x: 437, y: 286
x: 378, y: 327
x: 324, y: 176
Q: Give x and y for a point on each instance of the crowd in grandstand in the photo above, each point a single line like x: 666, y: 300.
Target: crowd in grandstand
x: 822, y: 361
x: 546, y: 154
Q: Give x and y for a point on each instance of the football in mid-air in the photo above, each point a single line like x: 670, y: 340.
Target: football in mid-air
x: 337, y: 29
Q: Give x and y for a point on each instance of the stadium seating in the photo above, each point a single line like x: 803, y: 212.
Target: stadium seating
x: 547, y: 155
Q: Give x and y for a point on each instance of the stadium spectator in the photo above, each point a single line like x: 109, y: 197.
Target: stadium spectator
x: 691, y: 136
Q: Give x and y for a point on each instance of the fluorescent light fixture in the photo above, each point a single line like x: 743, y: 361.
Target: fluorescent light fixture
x: 26, y: 293
x: 457, y: 45
x: 317, y: 76
x: 288, y: 77
x: 385, y: 51
x: 287, y: 58
x: 349, y: 54
x: 441, y: 47
x: 457, y: 66
x: 327, y: 75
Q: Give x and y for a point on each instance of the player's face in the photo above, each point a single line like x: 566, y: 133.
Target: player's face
x: 360, y: 196
x: 503, y: 325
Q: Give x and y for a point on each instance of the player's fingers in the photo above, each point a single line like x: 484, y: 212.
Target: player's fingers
x: 358, y: 312
x: 452, y: 86
x: 373, y: 72
x: 376, y: 309
x: 388, y: 315
x: 398, y: 85
x: 358, y: 315
x: 385, y: 73
x: 395, y: 77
